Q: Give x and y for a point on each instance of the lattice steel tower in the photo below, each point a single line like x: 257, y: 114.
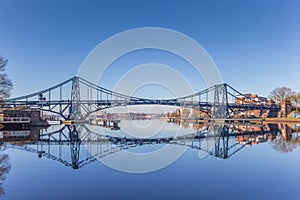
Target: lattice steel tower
x: 220, y: 104
x: 75, y: 108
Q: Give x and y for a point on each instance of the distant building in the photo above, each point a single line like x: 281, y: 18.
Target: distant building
x: 178, y: 112
x: 252, y: 99
x: 34, y: 115
x: 25, y: 116
x: 286, y: 108
x: 296, y: 115
x: 246, y: 99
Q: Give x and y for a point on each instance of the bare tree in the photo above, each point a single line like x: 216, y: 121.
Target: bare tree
x: 5, y: 83
x: 295, y: 99
x: 281, y: 93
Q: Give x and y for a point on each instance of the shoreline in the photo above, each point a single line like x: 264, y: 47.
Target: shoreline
x: 242, y: 120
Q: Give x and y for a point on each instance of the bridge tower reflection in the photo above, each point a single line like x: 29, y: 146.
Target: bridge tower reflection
x: 74, y: 145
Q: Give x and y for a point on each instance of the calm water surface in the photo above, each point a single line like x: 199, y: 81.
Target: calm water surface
x: 218, y: 162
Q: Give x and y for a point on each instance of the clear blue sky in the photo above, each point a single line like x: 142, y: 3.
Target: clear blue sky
x: 255, y: 44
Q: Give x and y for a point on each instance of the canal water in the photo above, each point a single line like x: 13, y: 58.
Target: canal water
x: 151, y: 159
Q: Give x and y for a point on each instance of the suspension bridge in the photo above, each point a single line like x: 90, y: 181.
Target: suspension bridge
x: 76, y: 99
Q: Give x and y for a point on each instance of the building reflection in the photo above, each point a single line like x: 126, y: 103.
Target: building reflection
x: 288, y: 139
x: 76, y: 146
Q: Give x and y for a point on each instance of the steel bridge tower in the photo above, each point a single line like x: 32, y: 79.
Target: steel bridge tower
x: 220, y: 104
x: 75, y: 108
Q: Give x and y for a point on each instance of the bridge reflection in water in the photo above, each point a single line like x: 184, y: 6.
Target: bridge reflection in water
x: 69, y: 144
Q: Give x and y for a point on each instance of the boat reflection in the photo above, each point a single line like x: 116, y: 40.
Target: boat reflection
x: 76, y: 146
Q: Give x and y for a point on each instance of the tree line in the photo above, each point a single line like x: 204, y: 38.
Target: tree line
x: 6, y: 85
x: 280, y: 94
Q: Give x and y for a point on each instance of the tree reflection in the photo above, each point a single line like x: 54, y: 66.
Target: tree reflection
x: 287, y: 141
x: 283, y: 146
x: 4, y: 168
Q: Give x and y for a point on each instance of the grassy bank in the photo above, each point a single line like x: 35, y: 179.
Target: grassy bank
x: 283, y: 120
